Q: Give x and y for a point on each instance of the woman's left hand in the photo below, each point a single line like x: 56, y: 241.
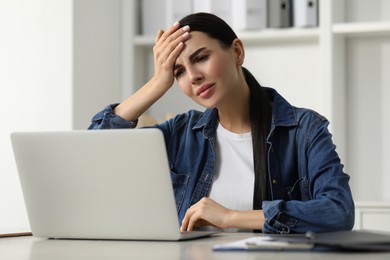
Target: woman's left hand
x: 206, y: 212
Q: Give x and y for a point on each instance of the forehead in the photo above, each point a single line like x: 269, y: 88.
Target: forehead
x: 197, y: 40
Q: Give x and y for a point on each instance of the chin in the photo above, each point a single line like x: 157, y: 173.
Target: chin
x: 207, y: 105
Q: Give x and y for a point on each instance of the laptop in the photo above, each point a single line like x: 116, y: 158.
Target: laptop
x: 106, y: 184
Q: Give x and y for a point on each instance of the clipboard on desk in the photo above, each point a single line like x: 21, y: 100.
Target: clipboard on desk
x: 262, y: 243
x: 356, y: 240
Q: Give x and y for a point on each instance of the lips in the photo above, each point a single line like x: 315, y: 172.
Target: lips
x: 203, y: 90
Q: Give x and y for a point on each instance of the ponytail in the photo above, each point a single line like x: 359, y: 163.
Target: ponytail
x: 260, y: 116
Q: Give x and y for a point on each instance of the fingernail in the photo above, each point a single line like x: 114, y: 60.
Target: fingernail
x: 180, y: 44
x: 186, y: 28
x: 185, y: 34
x: 176, y: 24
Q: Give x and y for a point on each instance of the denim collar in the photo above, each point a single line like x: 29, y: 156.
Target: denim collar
x: 208, y: 122
x: 283, y: 114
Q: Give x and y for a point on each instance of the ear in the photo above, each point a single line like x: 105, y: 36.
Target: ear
x: 239, y: 51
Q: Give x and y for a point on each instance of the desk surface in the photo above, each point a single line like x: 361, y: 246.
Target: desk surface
x: 32, y: 248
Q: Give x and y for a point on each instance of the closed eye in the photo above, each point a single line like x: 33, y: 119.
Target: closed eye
x: 178, y: 72
x: 201, y: 58
x: 199, y: 55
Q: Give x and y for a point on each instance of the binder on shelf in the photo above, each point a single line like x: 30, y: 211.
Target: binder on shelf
x: 249, y: 14
x: 221, y: 8
x: 160, y: 14
x: 239, y: 14
x: 279, y: 13
x: 305, y: 13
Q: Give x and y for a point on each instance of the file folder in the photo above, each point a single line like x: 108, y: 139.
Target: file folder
x: 279, y: 13
x: 239, y: 14
x: 221, y: 8
x: 249, y: 14
x: 305, y: 13
x: 160, y: 14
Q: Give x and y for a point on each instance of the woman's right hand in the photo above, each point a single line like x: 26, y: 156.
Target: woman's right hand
x: 168, y: 46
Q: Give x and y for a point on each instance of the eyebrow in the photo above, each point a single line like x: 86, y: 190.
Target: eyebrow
x: 195, y: 53
x: 191, y: 57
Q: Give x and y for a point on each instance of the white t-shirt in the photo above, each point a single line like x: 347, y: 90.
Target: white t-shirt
x: 233, y: 182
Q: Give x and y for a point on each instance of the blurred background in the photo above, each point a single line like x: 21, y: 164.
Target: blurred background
x: 63, y: 61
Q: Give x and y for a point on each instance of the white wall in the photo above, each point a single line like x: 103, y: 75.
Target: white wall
x: 97, y: 62
x: 60, y: 63
x: 35, y: 84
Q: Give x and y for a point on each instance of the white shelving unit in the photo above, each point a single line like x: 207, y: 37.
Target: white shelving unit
x: 340, y: 69
x: 362, y: 39
x: 362, y: 29
x: 372, y: 216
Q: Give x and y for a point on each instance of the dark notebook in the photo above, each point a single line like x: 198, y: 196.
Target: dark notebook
x: 331, y: 241
x: 356, y: 240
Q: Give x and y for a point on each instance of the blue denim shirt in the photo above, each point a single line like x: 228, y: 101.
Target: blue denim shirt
x: 309, y: 189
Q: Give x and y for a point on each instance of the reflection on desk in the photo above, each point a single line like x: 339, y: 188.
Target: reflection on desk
x: 100, y: 249
x: 22, y: 248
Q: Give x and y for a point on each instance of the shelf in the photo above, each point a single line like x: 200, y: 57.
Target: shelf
x: 362, y: 29
x: 373, y: 204
x: 296, y: 34
x: 144, y: 41
x: 280, y: 35
x: 255, y: 37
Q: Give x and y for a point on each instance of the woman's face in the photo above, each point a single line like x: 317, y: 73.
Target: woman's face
x: 205, y: 71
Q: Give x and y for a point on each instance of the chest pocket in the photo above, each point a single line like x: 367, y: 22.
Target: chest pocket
x: 179, y: 182
x: 300, y: 190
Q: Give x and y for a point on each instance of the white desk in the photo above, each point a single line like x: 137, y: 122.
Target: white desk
x: 23, y: 248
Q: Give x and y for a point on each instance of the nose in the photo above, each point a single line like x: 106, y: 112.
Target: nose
x: 195, y: 76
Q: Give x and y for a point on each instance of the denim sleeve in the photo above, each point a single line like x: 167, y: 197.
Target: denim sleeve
x: 107, y: 119
x: 330, y: 206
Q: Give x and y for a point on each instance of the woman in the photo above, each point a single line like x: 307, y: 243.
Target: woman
x: 250, y: 160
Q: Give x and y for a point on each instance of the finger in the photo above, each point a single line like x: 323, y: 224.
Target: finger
x: 168, y: 32
x: 172, y: 35
x: 184, y: 223
x: 168, y: 43
x: 172, y: 56
x: 187, y: 218
x: 169, y: 54
x: 184, y: 226
x: 173, y: 28
x: 193, y: 219
x: 159, y: 34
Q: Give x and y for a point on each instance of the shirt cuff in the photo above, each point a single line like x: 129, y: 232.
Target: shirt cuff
x: 107, y: 119
x: 276, y: 220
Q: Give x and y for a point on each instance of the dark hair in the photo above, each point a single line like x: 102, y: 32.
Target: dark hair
x: 259, y: 104
x: 212, y: 25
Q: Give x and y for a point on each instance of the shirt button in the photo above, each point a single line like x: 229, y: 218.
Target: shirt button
x: 274, y: 181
